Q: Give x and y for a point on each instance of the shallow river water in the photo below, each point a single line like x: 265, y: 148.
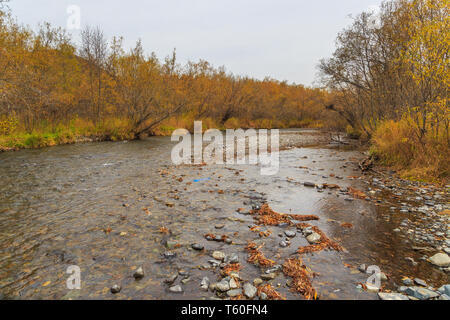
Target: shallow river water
x: 101, y: 206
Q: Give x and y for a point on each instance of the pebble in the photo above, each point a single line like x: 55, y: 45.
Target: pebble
x: 234, y: 258
x: 440, y: 260
x: 421, y: 293
x: 223, y: 286
x: 258, y: 281
x: 313, y: 238
x: 268, y: 276
x: 218, y: 255
x: 283, y: 244
x: 249, y: 290
x: 197, y: 247
x: 171, y: 279
x: 234, y: 293
x: 263, y: 296
x: 115, y: 289
x: 139, y: 274
x: 309, y: 184
x: 420, y: 282
x: 290, y: 234
x: 392, y: 296
x: 176, y: 289
x: 205, y: 284
x: 233, y: 284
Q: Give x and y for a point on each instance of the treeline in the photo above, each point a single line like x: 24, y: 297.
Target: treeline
x: 50, y: 86
x: 390, y: 80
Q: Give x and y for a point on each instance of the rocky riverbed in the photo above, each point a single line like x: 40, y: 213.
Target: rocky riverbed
x: 139, y: 227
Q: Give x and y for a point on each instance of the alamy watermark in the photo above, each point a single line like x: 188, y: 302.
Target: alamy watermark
x: 74, y: 19
x: 231, y: 151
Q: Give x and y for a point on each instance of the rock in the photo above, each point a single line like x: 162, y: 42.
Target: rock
x: 420, y: 282
x: 197, y: 247
x: 205, y: 284
x: 283, y: 244
x: 222, y: 286
x: 362, y: 268
x: 263, y: 296
x: 218, y: 255
x: 383, y: 276
x: 258, y: 281
x: 408, y: 282
x: 233, y: 284
x: 372, y: 288
x: 171, y: 279
x: 392, y: 296
x: 228, y: 241
x: 249, y: 290
x: 176, y: 289
x: 234, y: 258
x: 445, y: 289
x: 421, y: 293
x: 402, y: 289
x: 313, y: 238
x: 170, y: 254
x: 444, y: 297
x: 139, y: 274
x: 290, y: 234
x: 268, y: 276
x: 219, y: 226
x: 309, y: 184
x: 234, y: 293
x: 185, y: 281
x: 115, y: 289
x: 440, y: 260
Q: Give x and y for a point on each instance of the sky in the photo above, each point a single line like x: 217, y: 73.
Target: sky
x: 280, y: 39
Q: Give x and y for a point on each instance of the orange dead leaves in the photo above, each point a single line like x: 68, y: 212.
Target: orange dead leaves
x: 271, y: 293
x: 325, y: 243
x: 164, y: 230
x: 346, y: 225
x: 255, y: 255
x: 230, y: 268
x: 266, y: 216
x: 300, y: 275
x: 357, y: 193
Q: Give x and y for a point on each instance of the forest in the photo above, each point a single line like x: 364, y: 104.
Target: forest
x: 386, y: 84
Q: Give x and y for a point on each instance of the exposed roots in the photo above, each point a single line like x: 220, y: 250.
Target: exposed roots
x: 271, y: 293
x: 255, y: 256
x: 301, y: 276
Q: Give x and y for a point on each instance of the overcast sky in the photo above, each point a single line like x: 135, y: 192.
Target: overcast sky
x: 282, y: 39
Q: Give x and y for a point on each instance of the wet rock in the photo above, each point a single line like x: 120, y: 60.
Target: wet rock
x: 249, y: 290
x: 420, y: 282
x: 115, y: 289
x: 171, y: 279
x: 313, y: 238
x: 219, y: 226
x: 222, y: 286
x: 234, y: 258
x: 268, y: 276
x: 258, y: 281
x: 421, y: 293
x: 444, y: 297
x: 176, y: 289
x: 234, y: 293
x: 309, y: 184
x: 263, y: 296
x: 170, y: 254
x: 402, y: 289
x: 440, y: 260
x: 228, y: 241
x: 205, y: 284
x: 197, y: 247
x: 218, y: 255
x: 445, y: 289
x: 233, y: 284
x: 283, y: 244
x: 290, y: 234
x: 392, y: 296
x: 139, y: 274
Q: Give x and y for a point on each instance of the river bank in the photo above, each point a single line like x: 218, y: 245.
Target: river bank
x: 205, y: 232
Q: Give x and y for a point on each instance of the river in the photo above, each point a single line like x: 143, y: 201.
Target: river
x: 112, y: 207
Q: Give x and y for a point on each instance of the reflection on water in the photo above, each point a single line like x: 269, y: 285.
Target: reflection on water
x: 101, y: 206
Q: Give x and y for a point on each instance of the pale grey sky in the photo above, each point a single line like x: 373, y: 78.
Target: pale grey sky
x: 282, y: 39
